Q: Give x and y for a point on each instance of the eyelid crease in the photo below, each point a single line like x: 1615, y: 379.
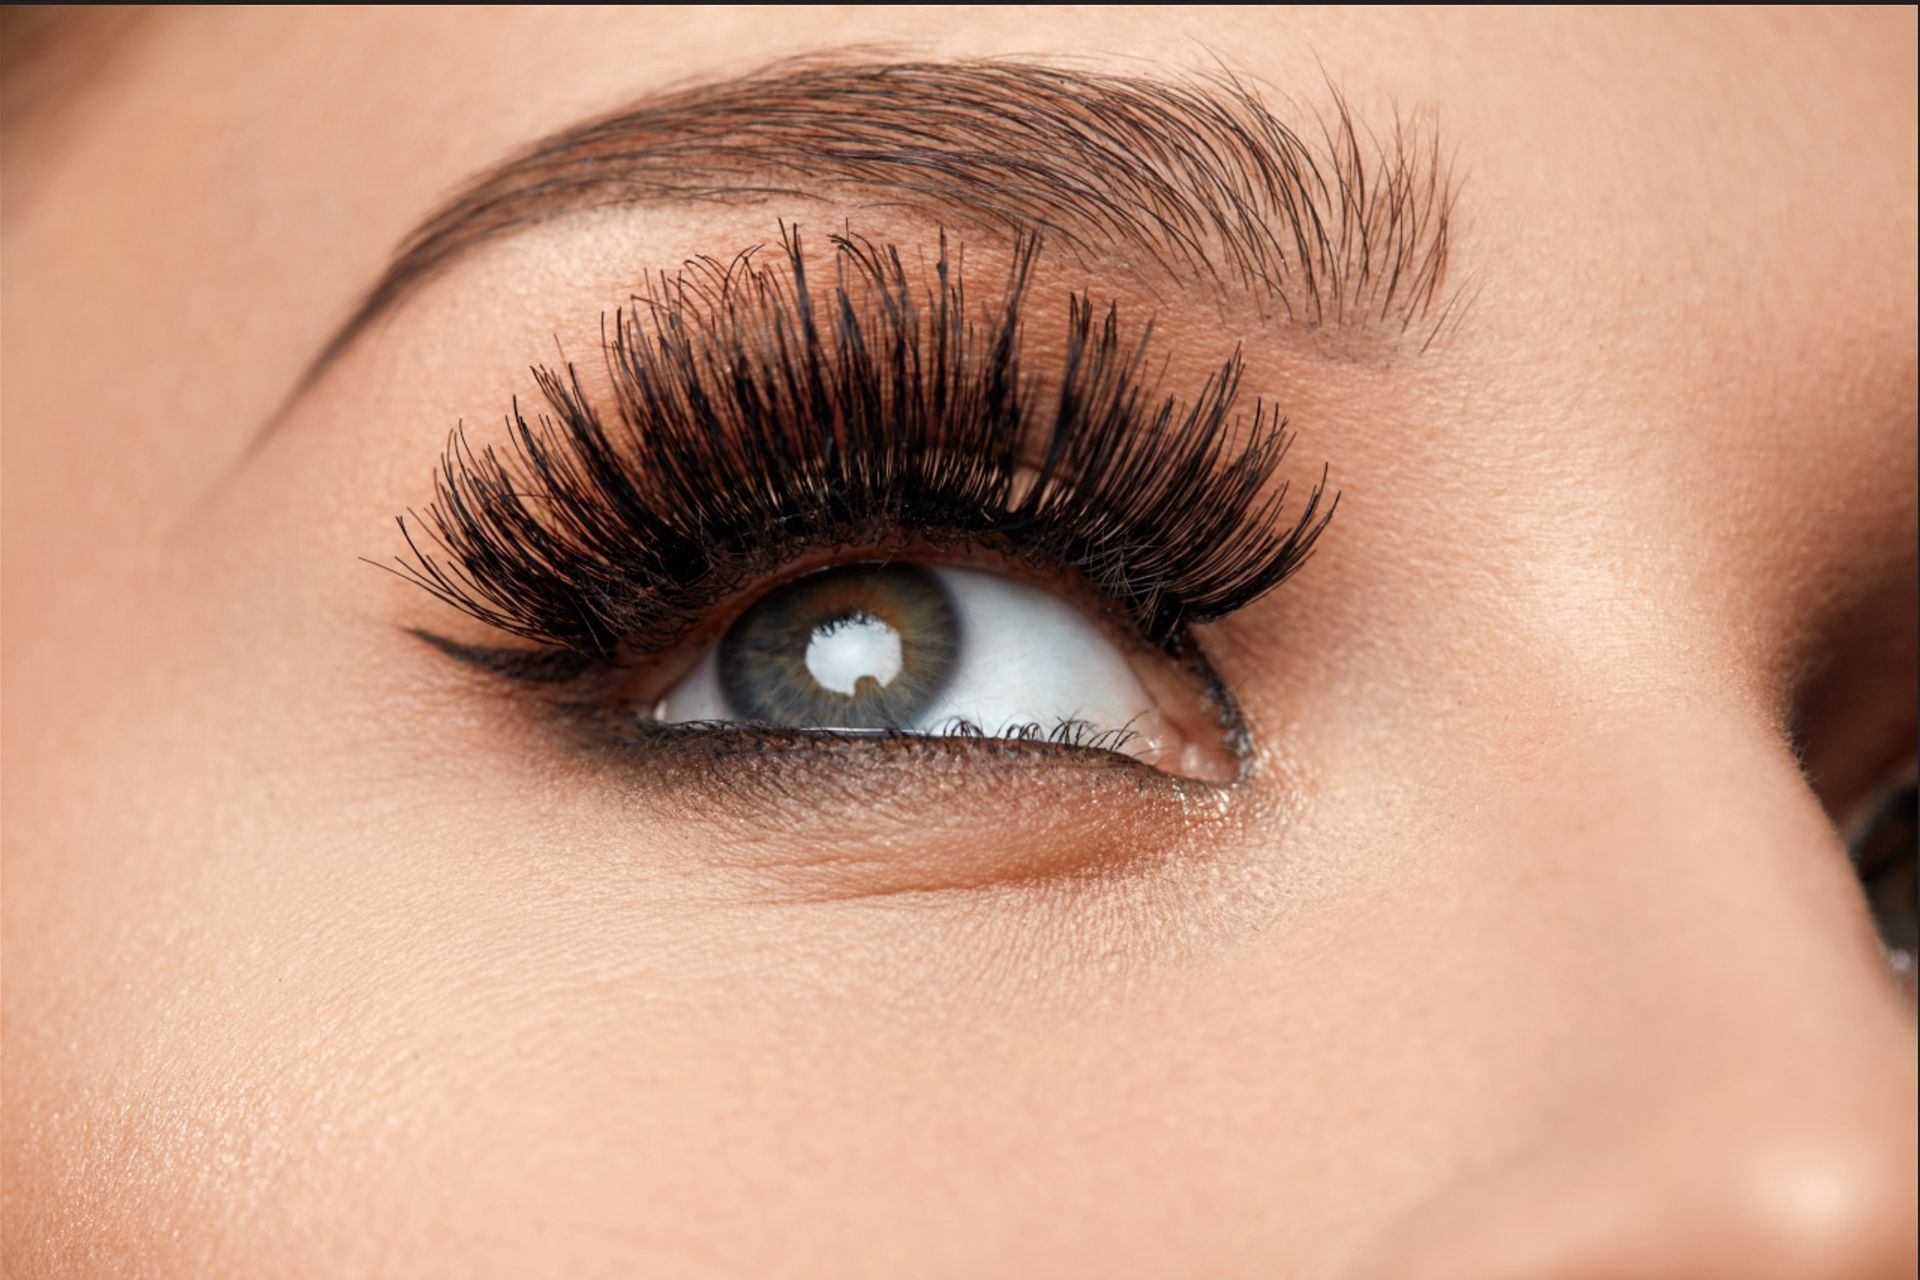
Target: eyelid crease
x: 748, y: 426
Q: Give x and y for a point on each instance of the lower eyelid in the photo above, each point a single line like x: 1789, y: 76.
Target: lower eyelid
x: 817, y: 816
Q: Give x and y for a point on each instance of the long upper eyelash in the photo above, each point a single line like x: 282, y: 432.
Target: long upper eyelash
x: 748, y: 426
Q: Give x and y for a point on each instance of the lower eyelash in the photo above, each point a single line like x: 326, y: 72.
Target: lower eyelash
x: 748, y: 427
x: 1062, y: 733
x: 723, y: 742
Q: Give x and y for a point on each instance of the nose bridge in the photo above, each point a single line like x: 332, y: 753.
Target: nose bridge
x: 1697, y: 862
x: 1739, y: 1101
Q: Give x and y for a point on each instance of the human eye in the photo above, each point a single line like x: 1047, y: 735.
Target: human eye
x: 1883, y: 853
x: 795, y: 515
x: 901, y: 647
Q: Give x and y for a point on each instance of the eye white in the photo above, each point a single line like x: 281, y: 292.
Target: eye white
x: 1026, y: 658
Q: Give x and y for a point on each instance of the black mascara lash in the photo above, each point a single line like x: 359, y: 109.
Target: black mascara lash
x: 754, y: 418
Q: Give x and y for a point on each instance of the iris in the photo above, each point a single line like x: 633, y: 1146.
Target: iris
x: 863, y: 646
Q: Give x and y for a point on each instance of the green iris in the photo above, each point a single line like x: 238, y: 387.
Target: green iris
x: 864, y: 646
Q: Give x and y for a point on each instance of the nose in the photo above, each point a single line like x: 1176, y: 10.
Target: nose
x: 1750, y: 1110
x: 1734, y: 1187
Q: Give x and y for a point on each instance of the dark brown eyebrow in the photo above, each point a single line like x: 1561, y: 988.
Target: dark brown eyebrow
x: 1335, y: 227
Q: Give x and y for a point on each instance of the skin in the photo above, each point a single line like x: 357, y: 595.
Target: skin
x: 1528, y: 952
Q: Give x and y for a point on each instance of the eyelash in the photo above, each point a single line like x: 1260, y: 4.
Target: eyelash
x: 747, y: 429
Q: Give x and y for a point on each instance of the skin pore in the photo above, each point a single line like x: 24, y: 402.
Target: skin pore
x: 1526, y: 949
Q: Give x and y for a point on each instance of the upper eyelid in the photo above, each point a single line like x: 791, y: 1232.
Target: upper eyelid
x: 1324, y: 223
x: 586, y: 534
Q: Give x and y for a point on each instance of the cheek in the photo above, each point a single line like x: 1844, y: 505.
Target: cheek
x: 562, y: 1053
x: 539, y: 1077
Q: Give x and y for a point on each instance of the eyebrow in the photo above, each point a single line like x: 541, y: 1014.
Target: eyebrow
x: 1335, y: 227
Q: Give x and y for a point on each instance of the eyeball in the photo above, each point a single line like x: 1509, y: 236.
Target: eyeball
x: 935, y: 650
x: 1883, y: 852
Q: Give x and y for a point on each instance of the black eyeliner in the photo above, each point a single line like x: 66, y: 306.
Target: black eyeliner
x: 527, y: 666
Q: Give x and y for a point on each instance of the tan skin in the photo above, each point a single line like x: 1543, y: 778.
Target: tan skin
x: 1526, y: 951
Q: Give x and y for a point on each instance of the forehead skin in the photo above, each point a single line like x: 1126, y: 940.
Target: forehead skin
x: 307, y: 973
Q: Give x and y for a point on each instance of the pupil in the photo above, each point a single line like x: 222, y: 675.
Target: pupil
x: 863, y: 646
x: 849, y: 651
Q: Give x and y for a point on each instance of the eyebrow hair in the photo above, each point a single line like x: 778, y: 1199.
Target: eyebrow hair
x: 1336, y: 227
